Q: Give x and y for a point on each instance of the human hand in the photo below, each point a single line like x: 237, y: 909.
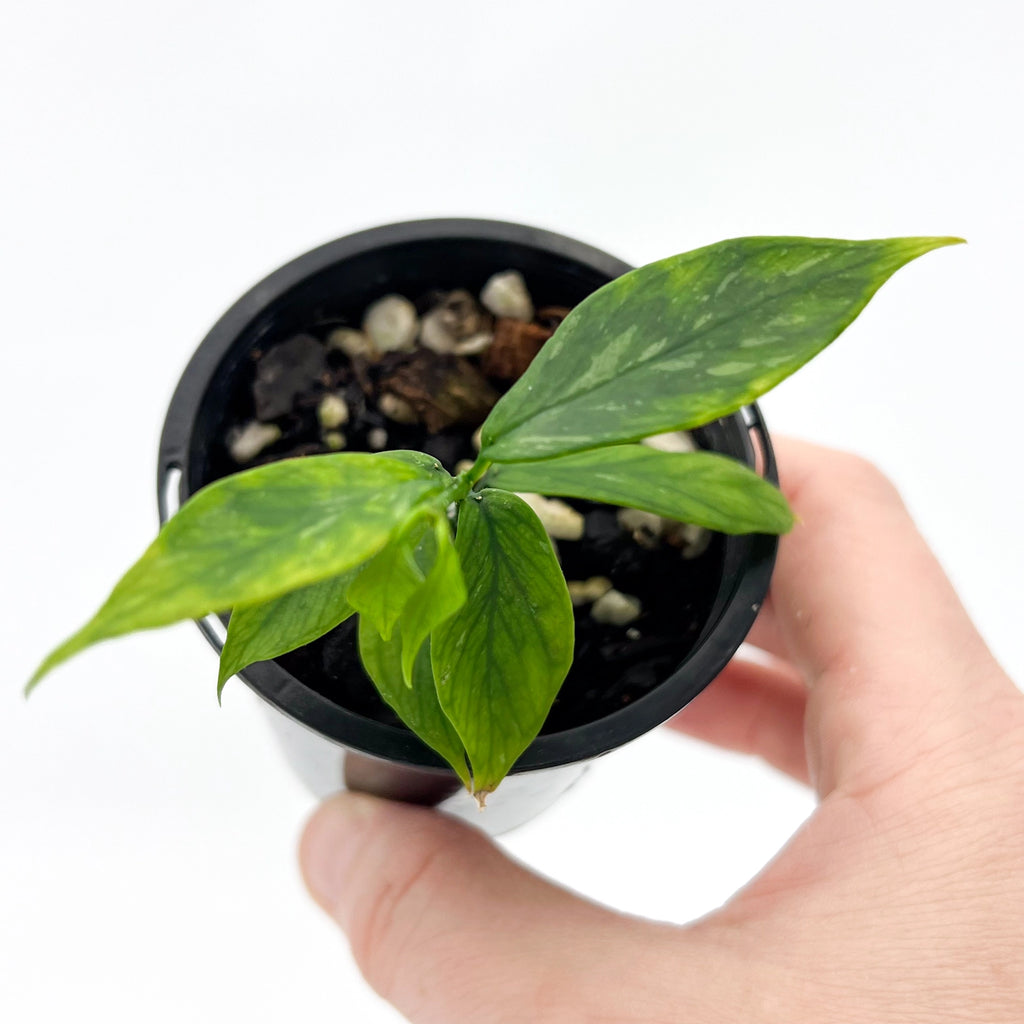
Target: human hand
x: 900, y: 900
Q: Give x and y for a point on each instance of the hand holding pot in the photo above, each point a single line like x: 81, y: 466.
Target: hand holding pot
x: 899, y: 900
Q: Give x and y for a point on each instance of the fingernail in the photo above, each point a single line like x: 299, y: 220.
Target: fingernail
x: 330, y: 842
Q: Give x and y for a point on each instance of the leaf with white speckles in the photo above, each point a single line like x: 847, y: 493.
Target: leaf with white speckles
x: 703, y: 488
x: 256, y: 535
x: 689, y: 339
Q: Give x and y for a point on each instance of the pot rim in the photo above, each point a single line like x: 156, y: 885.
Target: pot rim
x: 722, y: 635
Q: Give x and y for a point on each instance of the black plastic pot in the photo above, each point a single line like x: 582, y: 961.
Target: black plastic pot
x: 331, y: 746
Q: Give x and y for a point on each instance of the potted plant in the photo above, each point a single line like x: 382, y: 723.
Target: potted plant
x: 446, y: 578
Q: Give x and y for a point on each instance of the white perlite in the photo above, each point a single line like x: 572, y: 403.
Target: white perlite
x: 586, y: 591
x: 646, y: 527
x: 245, y: 443
x: 616, y: 609
x: 332, y: 411
x: 377, y: 439
x: 391, y: 324
x: 474, y: 344
x: 352, y: 342
x: 335, y: 440
x: 505, y: 295
x: 397, y: 409
x: 464, y: 466
x: 435, y: 334
x: 673, y: 441
x: 649, y: 530
x: 560, y: 520
x: 691, y: 540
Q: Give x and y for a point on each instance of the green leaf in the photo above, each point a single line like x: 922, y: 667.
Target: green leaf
x: 689, y: 339
x: 499, y: 661
x: 383, y: 588
x: 443, y: 593
x: 417, y: 705
x: 693, y: 487
x: 257, y: 535
x: 427, y: 463
x: 259, y: 632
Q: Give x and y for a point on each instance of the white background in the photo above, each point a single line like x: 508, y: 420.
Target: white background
x: 159, y: 159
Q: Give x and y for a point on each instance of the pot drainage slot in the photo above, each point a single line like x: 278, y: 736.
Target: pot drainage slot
x: 169, y: 498
x: 757, y: 441
x: 169, y: 501
x: 215, y: 630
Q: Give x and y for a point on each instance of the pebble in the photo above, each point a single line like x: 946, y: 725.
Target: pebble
x: 474, y: 344
x: 377, y: 439
x: 335, y: 440
x: 673, y: 441
x: 560, y: 520
x: 514, y: 346
x: 587, y: 591
x: 616, y: 609
x: 391, y: 324
x: 645, y: 527
x: 505, y: 294
x: 443, y: 390
x: 457, y: 325
x: 352, y: 342
x: 286, y: 371
x: 397, y: 409
x: 245, y: 443
x: 649, y: 530
x: 434, y: 333
x: 691, y: 540
x: 463, y: 315
x: 332, y: 411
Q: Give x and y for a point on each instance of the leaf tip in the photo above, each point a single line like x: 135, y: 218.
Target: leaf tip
x: 921, y: 245
x: 49, y: 663
x: 788, y: 519
x: 224, y: 674
x: 33, y: 681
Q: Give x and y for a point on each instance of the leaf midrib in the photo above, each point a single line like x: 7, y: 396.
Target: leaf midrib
x: 502, y: 561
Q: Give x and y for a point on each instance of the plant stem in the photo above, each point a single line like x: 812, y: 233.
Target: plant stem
x: 465, y: 482
x: 478, y: 471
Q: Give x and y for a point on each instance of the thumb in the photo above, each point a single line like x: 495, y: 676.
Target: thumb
x: 446, y: 928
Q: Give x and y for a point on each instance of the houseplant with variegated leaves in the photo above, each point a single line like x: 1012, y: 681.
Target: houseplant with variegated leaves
x: 465, y: 622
